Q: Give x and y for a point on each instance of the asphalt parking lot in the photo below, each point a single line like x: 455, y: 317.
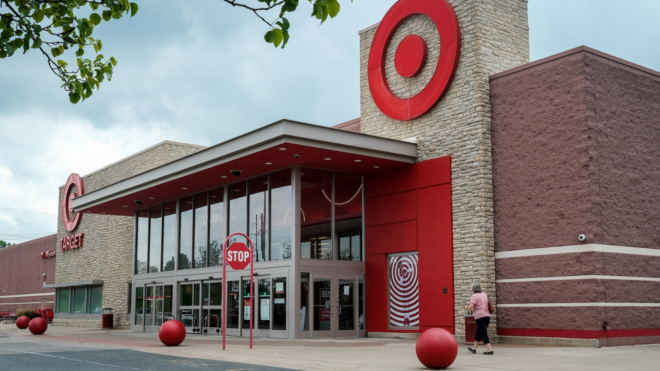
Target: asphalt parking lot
x: 66, y: 356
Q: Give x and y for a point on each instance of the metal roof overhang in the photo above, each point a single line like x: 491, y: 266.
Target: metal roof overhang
x: 257, y: 152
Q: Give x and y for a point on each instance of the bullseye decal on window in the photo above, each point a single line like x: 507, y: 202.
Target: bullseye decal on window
x: 410, y: 58
x: 404, y: 291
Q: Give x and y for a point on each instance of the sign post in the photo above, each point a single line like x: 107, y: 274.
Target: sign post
x: 238, y: 256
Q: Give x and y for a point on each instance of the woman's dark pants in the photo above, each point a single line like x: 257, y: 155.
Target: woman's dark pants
x: 482, y: 329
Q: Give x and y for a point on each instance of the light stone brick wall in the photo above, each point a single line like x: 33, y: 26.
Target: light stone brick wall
x: 107, y: 252
x: 494, y: 38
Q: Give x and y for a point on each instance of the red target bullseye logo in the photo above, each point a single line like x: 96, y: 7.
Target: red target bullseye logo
x: 410, y: 58
x: 67, y: 196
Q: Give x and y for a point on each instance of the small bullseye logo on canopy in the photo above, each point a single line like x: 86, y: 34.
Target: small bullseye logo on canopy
x: 67, y: 196
x: 411, y: 58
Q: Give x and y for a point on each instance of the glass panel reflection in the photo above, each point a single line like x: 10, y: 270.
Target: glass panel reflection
x: 186, y: 233
x: 201, y: 229
x: 217, y: 225
x: 169, y: 235
x: 238, y: 211
x: 141, y: 253
x: 281, y: 215
x: 316, y: 205
x: 259, y: 217
x: 348, y: 216
x: 156, y: 229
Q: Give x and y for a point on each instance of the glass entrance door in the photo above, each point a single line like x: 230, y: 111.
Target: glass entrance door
x: 153, y: 306
x: 334, y: 305
x: 322, y: 306
x: 189, y: 306
x: 212, y: 308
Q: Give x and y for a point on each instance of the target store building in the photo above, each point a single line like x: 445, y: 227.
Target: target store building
x: 468, y: 164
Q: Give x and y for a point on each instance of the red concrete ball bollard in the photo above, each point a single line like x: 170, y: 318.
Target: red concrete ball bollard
x: 436, y: 348
x: 38, y: 326
x: 172, y: 333
x: 23, y: 322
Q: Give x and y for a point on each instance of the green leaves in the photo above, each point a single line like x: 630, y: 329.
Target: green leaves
x: 95, y: 19
x: 58, y: 26
x: 134, y: 9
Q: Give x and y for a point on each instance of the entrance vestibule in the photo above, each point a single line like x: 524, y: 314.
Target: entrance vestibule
x: 326, y: 239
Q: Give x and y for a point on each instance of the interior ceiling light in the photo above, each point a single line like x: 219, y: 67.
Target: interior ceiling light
x: 125, y: 206
x: 224, y: 177
x: 184, y: 188
x: 328, y: 159
x: 376, y: 167
x: 269, y: 163
x: 282, y: 149
x: 358, y: 160
x: 151, y: 198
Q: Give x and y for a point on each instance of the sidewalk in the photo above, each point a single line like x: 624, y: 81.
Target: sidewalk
x: 351, y: 354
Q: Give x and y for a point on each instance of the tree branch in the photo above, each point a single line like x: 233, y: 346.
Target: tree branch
x: 255, y: 10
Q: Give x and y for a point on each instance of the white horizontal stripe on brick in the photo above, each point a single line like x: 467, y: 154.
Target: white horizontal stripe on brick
x: 544, y: 305
x: 26, y: 302
x: 576, y: 249
x: 26, y: 295
x: 585, y: 277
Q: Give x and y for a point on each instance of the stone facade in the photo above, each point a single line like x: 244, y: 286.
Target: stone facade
x: 108, y: 243
x: 494, y: 38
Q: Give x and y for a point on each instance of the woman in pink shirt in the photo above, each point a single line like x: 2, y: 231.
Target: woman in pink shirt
x: 479, y: 303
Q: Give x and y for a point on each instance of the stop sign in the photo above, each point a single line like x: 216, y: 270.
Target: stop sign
x: 239, y: 256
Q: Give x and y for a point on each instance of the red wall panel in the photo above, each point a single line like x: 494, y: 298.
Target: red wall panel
x: 391, y: 238
x: 395, y: 181
x: 376, y: 272
x: 436, y: 264
x: 398, y: 207
x: 410, y: 209
x: 434, y: 172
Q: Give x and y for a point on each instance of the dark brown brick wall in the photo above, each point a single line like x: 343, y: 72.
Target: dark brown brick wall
x: 575, y: 149
x: 21, y: 273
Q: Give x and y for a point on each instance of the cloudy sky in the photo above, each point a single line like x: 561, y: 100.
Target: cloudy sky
x: 200, y: 72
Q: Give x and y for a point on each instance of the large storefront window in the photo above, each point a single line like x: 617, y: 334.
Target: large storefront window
x: 348, y: 216
x: 281, y: 215
x: 258, y: 216
x: 201, y: 230
x: 155, y: 235
x: 169, y: 236
x: 79, y: 300
x: 142, y: 243
x: 316, y: 213
x: 186, y: 233
x: 260, y: 207
x: 217, y: 225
